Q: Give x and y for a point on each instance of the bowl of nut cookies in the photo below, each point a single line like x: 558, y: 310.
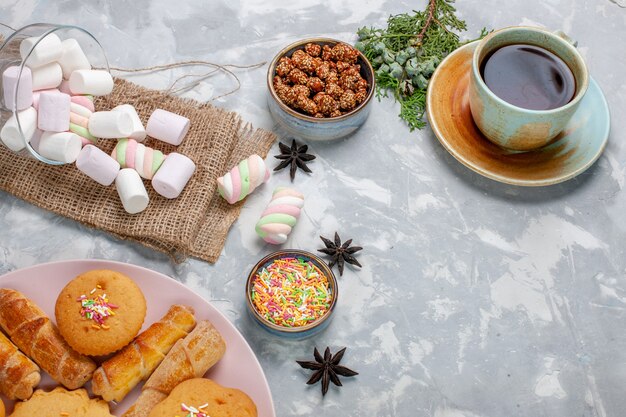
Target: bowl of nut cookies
x: 320, y: 89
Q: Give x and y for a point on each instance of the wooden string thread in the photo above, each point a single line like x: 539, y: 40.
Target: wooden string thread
x: 226, y: 68
x: 179, y: 64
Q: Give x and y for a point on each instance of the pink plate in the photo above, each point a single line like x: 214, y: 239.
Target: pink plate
x: 239, y: 367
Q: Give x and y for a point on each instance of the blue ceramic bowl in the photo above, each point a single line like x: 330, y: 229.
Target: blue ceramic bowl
x: 311, y: 128
x: 292, y: 332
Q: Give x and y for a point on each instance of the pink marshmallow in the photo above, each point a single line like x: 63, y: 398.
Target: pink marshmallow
x: 13, y: 80
x: 64, y: 87
x: 131, y: 149
x: 37, y: 94
x: 85, y: 102
x: 173, y: 175
x: 97, y: 165
x: 54, y: 112
x: 293, y: 211
x: 167, y: 126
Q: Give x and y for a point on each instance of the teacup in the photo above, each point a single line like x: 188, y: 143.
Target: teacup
x: 513, y: 127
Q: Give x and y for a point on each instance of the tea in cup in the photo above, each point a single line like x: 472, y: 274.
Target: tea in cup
x: 526, y: 84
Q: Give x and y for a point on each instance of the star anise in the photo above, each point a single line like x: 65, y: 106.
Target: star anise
x: 327, y: 368
x: 295, y: 157
x: 340, y: 253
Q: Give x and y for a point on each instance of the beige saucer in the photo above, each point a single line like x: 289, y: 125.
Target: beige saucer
x: 571, y: 153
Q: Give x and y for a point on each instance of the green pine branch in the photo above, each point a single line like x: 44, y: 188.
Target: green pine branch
x: 405, y: 54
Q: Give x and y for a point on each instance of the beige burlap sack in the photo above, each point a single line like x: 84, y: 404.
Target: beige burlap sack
x: 194, y: 224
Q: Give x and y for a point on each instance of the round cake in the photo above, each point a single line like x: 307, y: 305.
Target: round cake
x: 61, y: 402
x: 201, y: 397
x: 100, y: 312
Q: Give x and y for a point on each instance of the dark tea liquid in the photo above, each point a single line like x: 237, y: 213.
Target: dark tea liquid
x: 528, y: 76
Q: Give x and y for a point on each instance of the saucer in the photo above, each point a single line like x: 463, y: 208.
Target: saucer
x: 575, y: 149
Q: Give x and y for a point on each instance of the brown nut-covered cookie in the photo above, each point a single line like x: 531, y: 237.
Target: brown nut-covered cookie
x: 284, y: 66
x: 334, y: 90
x: 297, y: 76
x: 347, y: 100
x: 344, y: 52
x: 315, y: 84
x: 304, y: 61
x: 313, y: 49
x: 325, y: 103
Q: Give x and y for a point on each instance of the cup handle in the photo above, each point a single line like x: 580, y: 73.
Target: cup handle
x: 566, y: 38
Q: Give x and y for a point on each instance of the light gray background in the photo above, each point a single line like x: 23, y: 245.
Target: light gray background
x: 475, y: 299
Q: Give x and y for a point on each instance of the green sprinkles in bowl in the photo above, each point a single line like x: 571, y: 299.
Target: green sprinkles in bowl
x: 291, y: 292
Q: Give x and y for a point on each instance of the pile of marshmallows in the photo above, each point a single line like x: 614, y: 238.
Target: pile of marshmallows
x: 53, y: 95
x: 283, y: 210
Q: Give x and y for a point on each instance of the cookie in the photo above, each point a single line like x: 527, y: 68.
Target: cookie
x: 206, y: 397
x: 100, y: 312
x: 61, y: 402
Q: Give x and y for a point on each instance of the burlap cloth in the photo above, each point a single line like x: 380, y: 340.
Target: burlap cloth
x: 194, y: 224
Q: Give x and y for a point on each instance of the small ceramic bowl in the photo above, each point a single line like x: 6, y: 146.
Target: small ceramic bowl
x: 299, y: 332
x: 311, y: 128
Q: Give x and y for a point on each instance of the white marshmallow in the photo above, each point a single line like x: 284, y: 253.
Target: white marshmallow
x: 73, y: 58
x: 48, y: 50
x: 131, y: 190
x: 54, y: 112
x: 60, y: 146
x: 97, y: 165
x: 110, y: 124
x: 80, y: 110
x: 37, y: 94
x: 94, y: 82
x: 10, y: 133
x: 13, y: 80
x: 139, y: 132
x: 173, y: 175
x: 34, y: 141
x: 47, y: 76
x: 167, y: 126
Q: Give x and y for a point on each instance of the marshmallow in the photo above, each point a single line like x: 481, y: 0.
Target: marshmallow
x: 97, y: 165
x: 13, y: 79
x: 240, y: 181
x: 139, y: 132
x: 54, y: 112
x: 60, y: 146
x: 64, y: 87
x: 47, y: 76
x: 280, y: 215
x: 37, y: 94
x: 130, y: 154
x: 110, y: 124
x: 85, y: 137
x: 95, y: 82
x: 73, y: 58
x: 85, y: 102
x: 34, y: 141
x: 131, y: 190
x: 79, y: 120
x: 49, y: 49
x: 173, y: 175
x: 80, y: 110
x: 10, y: 133
x: 168, y: 127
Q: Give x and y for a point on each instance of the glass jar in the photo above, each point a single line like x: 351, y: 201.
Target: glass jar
x: 10, y: 56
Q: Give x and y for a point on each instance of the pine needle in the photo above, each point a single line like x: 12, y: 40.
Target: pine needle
x: 405, y: 54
